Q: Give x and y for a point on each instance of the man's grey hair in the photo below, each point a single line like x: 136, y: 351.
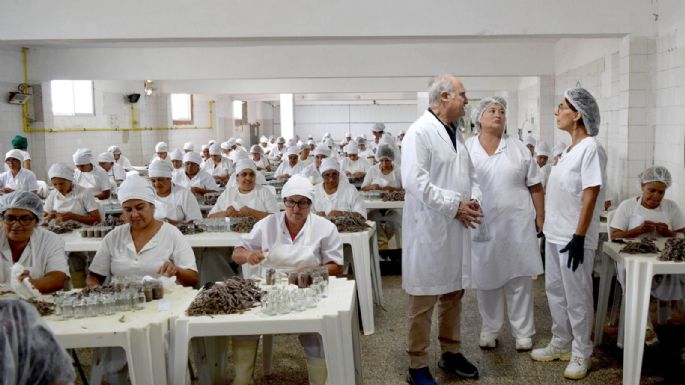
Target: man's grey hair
x: 439, y: 84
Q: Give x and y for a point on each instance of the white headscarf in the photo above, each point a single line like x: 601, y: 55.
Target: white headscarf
x: 136, y: 187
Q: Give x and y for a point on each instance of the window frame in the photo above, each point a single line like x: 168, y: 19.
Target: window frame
x: 73, y: 101
x: 192, y: 114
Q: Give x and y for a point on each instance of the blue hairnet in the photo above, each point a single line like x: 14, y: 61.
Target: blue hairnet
x: 656, y: 174
x: 585, y: 103
x: 23, y: 200
x: 29, y: 353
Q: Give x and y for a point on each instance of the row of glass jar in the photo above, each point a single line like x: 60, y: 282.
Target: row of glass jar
x: 284, y: 300
x: 68, y: 306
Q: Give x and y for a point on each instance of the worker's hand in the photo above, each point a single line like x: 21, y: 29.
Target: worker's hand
x: 348, y: 174
x: 467, y: 215
x: 373, y: 187
x: 359, y: 174
x: 63, y: 217
x: 168, y: 269
x: 232, y: 212
x: 321, y: 213
x: 255, y: 257
x: 245, y: 212
x: 197, y: 190
x: 7, y: 190
x: 24, y: 274
x: 576, y: 251
x: 647, y: 227
x: 539, y: 223
x: 663, y: 230
x: 50, y: 216
x: 336, y: 213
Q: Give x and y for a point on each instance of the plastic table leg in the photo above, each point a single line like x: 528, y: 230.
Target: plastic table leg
x: 638, y: 285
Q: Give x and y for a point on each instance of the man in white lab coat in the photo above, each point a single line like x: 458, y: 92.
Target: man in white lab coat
x: 441, y: 204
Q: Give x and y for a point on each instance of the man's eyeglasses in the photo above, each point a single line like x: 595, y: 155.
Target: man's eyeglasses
x: 301, y: 204
x: 24, y: 220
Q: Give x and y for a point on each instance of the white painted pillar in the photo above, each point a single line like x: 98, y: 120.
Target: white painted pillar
x: 287, y: 116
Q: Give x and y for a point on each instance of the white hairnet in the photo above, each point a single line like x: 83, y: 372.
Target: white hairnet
x: 290, y: 142
x: 298, y: 185
x: 239, y: 141
x: 542, y: 149
x: 322, y: 149
x: 656, y: 174
x: 23, y: 200
x: 292, y: 150
x: 188, y: 146
x: 210, y: 142
x: 176, y: 155
x: 245, y: 164
x: 224, y: 146
x: 385, y: 151
x: 231, y: 142
x: 352, y: 148
x: 192, y: 157
x: 215, y: 149
x: 586, y: 104
x: 16, y: 154
x: 329, y: 142
x: 237, y: 154
x: 160, y: 169
x: 114, y: 149
x: 378, y: 127
x: 529, y: 140
x: 204, y: 147
x: 280, y: 140
x: 387, y: 138
x: 106, y: 157
x: 256, y: 149
x: 263, y: 139
x: 61, y: 170
x: 360, y: 140
x: 310, y: 142
x: 558, y: 148
x: 348, y: 135
x: 29, y: 352
x: 161, y: 147
x: 82, y: 156
x: 136, y: 187
x: 327, y: 135
x: 329, y: 164
x: 477, y: 113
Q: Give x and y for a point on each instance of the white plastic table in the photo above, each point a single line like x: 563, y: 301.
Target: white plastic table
x: 365, y: 258
x: 141, y: 334
x: 640, y: 268
x: 371, y: 204
x: 334, y: 319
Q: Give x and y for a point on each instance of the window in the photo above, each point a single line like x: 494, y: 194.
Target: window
x: 182, y: 108
x: 72, y: 97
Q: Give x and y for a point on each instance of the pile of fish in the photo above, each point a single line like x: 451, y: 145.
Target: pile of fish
x: 245, y: 225
x: 62, y: 227
x: 392, y: 196
x: 644, y: 246
x: 674, y: 250
x: 234, y: 295
x: 44, y: 308
x: 189, y: 229
x: 349, y: 223
x: 111, y: 220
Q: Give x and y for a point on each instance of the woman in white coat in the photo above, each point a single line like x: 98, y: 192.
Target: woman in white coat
x: 385, y: 176
x: 651, y: 215
x: 336, y: 196
x: 173, y: 203
x: 312, y: 172
x: 17, y: 178
x: 574, y: 196
x: 295, y: 239
x: 194, y: 178
x: 353, y: 166
x: 218, y: 166
x: 290, y: 166
x: 513, y: 213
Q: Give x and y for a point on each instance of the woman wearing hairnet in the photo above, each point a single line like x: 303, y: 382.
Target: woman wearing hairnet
x: 278, y: 149
x: 161, y: 151
x: 218, y: 166
x: 542, y: 155
x: 312, y: 172
x: 336, y: 196
x: 68, y: 201
x: 384, y: 176
x: 295, y: 239
x: 289, y: 166
x: 651, y: 215
x: 115, y: 172
x: 193, y: 177
x: 30, y: 354
x: 120, y: 159
x: 17, y: 178
x: 353, y: 166
x: 513, y: 213
x: 90, y: 176
x: 260, y: 160
x: 571, y: 230
x: 173, y: 203
x: 22, y: 241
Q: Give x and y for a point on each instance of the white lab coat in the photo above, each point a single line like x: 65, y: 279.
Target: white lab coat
x: 262, y: 163
x: 78, y: 201
x: 43, y: 254
x: 202, y: 180
x: 117, y: 256
x: 346, y: 198
x: 354, y: 166
x: 286, y: 168
x: 124, y: 163
x: 179, y: 205
x: 25, y: 179
x: 376, y: 176
x: 312, y: 173
x: 96, y: 180
x: 116, y: 173
x: 436, y: 247
x: 276, y: 152
x: 508, y: 213
x: 260, y: 198
x: 545, y: 171
x: 225, y: 168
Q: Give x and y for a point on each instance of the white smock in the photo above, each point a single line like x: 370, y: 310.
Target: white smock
x: 354, y: 166
x: 96, y: 180
x: 436, y: 247
x: 631, y: 214
x: 312, y: 173
x: 223, y: 169
x: 78, y: 201
x: 43, y: 254
x: 124, y: 163
x: 345, y: 198
x: 376, y: 176
x: 202, y: 180
x: 285, y: 168
x: 179, y: 205
x: 117, y: 256
x: 391, y: 218
x: 508, y: 212
x: 276, y: 152
x: 25, y: 180
x: 116, y: 173
x: 260, y: 199
x: 545, y: 171
x: 262, y: 163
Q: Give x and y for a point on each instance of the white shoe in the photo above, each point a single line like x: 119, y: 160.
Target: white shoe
x: 524, y: 344
x: 577, y: 368
x: 550, y: 353
x: 487, y: 342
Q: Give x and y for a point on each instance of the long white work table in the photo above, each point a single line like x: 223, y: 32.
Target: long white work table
x: 365, y: 259
x: 371, y: 204
x: 640, y: 268
x: 333, y: 318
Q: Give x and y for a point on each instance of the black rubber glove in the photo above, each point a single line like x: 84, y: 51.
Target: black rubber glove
x: 576, y: 251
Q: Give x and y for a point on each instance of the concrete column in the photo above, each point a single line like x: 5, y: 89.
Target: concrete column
x: 287, y: 116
